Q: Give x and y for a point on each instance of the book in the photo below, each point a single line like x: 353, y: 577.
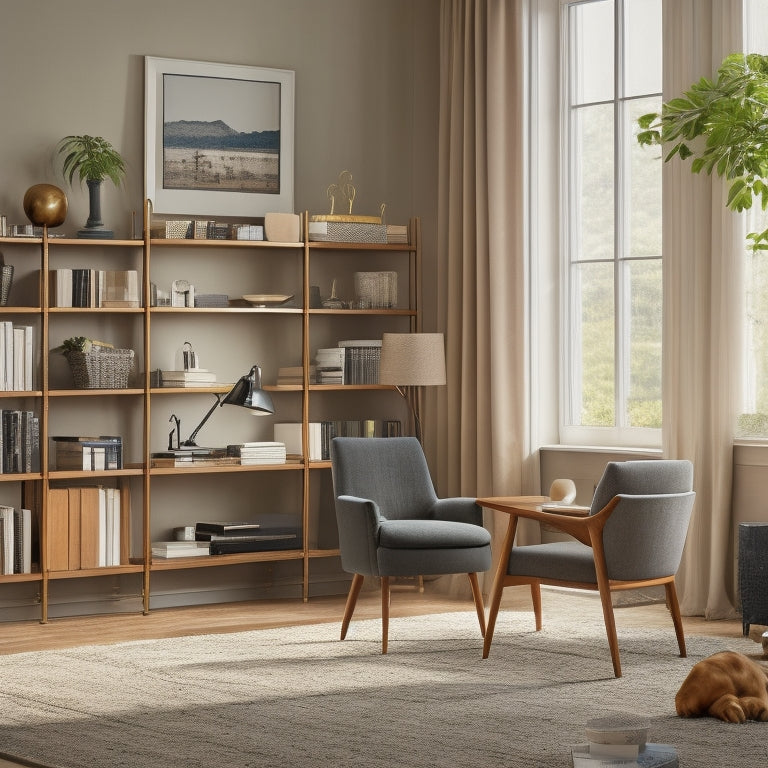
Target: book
x: 650, y: 756
x: 57, y: 538
x: 22, y: 533
x: 168, y: 549
x: 258, y: 543
x: 226, y: 527
x: 193, y: 374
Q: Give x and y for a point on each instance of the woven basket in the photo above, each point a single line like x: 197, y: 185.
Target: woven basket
x: 101, y: 368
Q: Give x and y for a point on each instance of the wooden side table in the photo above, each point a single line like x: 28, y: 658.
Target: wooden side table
x: 753, y: 574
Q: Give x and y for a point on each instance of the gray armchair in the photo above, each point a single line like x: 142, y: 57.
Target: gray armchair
x: 633, y: 537
x: 391, y: 522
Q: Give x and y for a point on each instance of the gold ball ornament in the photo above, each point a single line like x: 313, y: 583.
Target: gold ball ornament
x: 45, y: 204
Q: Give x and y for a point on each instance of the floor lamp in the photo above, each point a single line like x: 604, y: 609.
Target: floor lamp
x: 409, y: 361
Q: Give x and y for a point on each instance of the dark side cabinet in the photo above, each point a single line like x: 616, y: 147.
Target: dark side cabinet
x: 753, y: 574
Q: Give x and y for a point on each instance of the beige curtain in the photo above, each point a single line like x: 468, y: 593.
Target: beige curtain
x: 481, y: 434
x: 703, y: 244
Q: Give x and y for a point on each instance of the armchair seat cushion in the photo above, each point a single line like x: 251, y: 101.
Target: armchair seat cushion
x: 431, y: 534
x: 560, y: 560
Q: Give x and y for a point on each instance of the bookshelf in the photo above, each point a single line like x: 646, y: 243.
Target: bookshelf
x: 154, y: 500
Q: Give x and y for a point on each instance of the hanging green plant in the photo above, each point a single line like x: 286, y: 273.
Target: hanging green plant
x: 723, y: 127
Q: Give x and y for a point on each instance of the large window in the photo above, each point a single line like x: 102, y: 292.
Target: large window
x: 611, y: 380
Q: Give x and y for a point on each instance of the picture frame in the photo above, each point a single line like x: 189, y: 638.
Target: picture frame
x: 218, y: 138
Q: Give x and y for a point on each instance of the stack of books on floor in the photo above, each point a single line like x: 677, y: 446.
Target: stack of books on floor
x: 193, y: 377
x: 167, y: 549
x: 235, y: 537
x: 258, y: 452
x: 15, y: 540
x: 620, y: 741
x: 330, y: 366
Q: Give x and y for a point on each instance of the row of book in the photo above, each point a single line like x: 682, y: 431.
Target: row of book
x: 91, y: 454
x: 19, y: 441
x: 17, y: 343
x: 15, y: 540
x: 94, y: 288
x: 352, y: 361
x: 83, y: 528
x: 321, y: 433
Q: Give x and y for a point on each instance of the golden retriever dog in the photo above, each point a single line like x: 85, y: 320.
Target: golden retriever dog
x: 726, y: 685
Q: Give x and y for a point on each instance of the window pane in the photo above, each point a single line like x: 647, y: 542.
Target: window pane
x: 593, y: 183
x: 643, y: 180
x: 593, y: 382
x: 644, y: 343
x: 591, y: 61
x: 642, y: 47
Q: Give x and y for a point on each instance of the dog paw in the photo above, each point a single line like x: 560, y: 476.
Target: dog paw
x: 729, y: 711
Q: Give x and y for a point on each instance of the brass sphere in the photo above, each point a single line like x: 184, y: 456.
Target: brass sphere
x: 45, y: 204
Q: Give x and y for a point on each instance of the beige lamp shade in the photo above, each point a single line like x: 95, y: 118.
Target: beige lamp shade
x: 412, y: 359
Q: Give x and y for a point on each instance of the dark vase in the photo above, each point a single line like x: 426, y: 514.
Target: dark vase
x: 94, y: 227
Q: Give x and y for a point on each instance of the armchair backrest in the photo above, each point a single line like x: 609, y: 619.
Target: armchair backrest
x: 392, y: 471
x: 642, y: 478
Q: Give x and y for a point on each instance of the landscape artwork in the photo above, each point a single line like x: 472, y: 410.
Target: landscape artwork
x: 221, y: 134
x: 218, y: 138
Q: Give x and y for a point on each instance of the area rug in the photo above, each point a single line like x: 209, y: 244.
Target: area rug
x: 300, y: 697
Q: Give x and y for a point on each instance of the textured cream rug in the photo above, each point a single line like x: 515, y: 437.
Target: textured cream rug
x: 300, y: 697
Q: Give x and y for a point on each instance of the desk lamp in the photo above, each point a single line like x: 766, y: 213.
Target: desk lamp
x: 410, y: 360
x: 246, y: 393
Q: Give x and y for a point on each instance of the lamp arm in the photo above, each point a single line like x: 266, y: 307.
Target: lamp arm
x: 190, y: 441
x: 411, y: 395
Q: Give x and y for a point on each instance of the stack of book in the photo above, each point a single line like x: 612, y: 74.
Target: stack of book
x: 19, y: 441
x: 91, y: 454
x: 166, y: 549
x: 330, y: 365
x: 258, y: 452
x: 15, y: 540
x: 94, y: 288
x: 397, y: 233
x: 17, y: 344
x: 193, y: 377
x: 620, y: 741
x: 294, y: 375
x: 361, y: 360
x: 321, y: 433
x: 234, y: 537
x: 194, y: 457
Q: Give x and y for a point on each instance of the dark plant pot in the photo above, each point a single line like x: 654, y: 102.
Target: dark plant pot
x: 94, y: 227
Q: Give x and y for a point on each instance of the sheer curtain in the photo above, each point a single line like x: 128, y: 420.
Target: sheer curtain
x: 481, y: 422
x: 703, y: 243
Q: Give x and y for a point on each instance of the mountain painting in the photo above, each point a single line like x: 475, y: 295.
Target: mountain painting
x: 221, y: 135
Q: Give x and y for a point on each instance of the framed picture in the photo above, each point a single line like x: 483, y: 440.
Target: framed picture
x: 218, y: 138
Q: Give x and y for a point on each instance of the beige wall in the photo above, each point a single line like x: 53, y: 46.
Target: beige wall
x: 366, y: 92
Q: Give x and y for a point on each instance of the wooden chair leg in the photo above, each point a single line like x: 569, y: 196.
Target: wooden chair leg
x: 349, y: 608
x: 477, y: 595
x: 677, y: 619
x: 536, y: 598
x: 610, y: 628
x: 384, y: 613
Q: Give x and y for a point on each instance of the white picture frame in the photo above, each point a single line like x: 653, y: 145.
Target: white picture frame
x: 218, y: 138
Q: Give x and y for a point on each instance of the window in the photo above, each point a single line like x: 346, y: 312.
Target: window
x: 753, y: 421
x: 611, y: 377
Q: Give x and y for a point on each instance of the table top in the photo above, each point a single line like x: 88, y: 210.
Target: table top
x: 538, y: 503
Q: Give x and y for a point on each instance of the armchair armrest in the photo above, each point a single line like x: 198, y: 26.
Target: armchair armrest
x: 460, y: 509
x: 358, y: 521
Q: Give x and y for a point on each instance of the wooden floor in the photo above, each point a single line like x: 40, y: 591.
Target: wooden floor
x: 18, y: 637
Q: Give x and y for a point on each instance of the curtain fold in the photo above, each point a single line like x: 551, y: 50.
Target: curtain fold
x: 703, y: 244
x: 481, y: 434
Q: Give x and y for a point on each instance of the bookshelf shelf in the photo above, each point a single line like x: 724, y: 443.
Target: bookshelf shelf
x: 154, y: 500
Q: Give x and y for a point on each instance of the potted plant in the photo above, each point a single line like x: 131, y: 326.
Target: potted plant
x: 93, y: 159
x: 723, y: 126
